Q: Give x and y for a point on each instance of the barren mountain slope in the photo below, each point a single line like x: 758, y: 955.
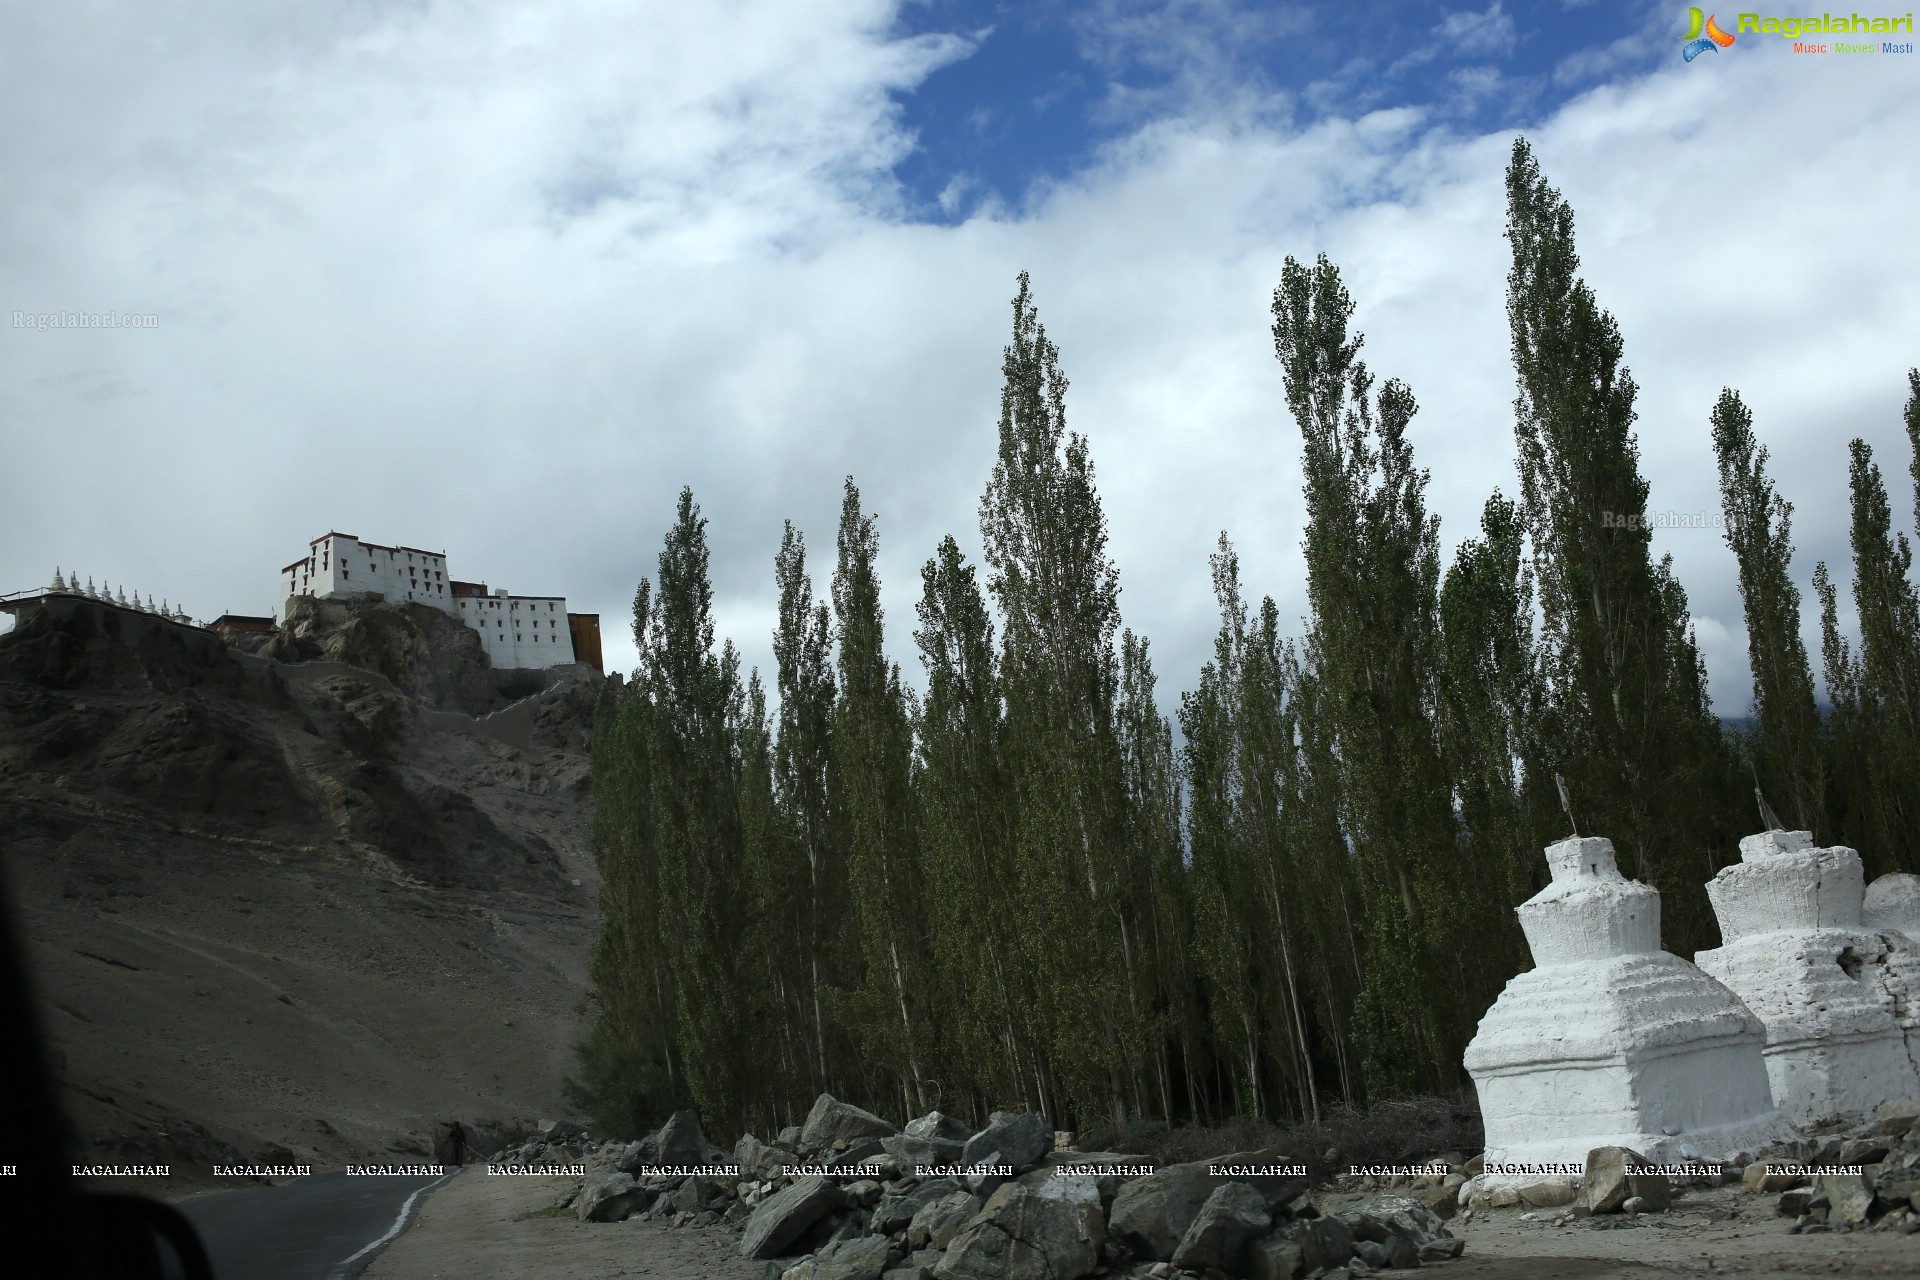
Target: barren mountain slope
x: 279, y: 907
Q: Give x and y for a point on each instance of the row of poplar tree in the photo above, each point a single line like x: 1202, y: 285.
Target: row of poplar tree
x: 1013, y: 891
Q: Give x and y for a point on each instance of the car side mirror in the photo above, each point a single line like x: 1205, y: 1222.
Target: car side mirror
x: 134, y: 1238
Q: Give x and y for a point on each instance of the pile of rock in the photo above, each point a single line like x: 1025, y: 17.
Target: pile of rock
x: 1435, y: 1182
x: 1863, y: 1178
x: 846, y: 1196
x: 556, y: 1142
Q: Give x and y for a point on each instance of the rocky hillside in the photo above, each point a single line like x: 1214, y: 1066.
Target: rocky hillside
x: 293, y: 909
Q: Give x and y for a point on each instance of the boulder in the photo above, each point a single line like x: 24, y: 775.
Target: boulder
x: 1849, y: 1196
x: 984, y: 1178
x: 936, y: 1222
x: 862, y: 1258
x: 1274, y: 1188
x: 682, y: 1141
x: 1897, y: 1115
x: 1397, y: 1215
x: 782, y: 1218
x: 1766, y: 1177
x: 1019, y: 1235
x: 1323, y: 1242
x: 832, y: 1120
x: 1020, y: 1140
x: 609, y: 1197
x: 1234, y: 1214
x: 1151, y: 1214
x: 913, y: 1153
x: 1058, y: 1166
x: 691, y: 1196
x: 748, y: 1153
x: 1273, y: 1257
x: 1379, y: 1244
x: 1612, y: 1175
x: 1442, y: 1201
x: 854, y: 1151
x: 895, y: 1212
x: 561, y: 1130
x: 935, y: 1125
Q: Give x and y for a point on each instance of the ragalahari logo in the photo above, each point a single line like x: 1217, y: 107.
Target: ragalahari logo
x: 1703, y: 36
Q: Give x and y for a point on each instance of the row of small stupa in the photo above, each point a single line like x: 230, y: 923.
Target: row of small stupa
x: 65, y: 586
x: 1808, y: 1012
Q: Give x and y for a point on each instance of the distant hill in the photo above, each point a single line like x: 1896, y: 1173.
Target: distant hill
x: 294, y: 908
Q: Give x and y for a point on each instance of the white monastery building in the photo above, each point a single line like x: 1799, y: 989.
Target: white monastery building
x: 515, y: 631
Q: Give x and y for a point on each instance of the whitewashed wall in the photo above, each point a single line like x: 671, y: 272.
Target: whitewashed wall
x: 339, y: 565
x: 519, y: 631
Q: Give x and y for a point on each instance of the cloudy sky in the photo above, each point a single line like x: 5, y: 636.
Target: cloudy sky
x: 499, y: 278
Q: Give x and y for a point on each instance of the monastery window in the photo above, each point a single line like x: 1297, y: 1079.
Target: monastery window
x: 344, y: 575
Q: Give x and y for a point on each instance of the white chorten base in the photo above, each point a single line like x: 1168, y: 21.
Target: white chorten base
x: 1892, y: 909
x: 1641, y: 1051
x: 1834, y: 1048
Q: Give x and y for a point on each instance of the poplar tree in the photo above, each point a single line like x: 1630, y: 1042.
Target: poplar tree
x: 628, y: 1062
x: 1642, y: 754
x: 1791, y: 753
x: 1912, y: 415
x: 1155, y: 860
x: 986, y: 993
x: 694, y: 820
x: 1226, y: 938
x: 1489, y: 721
x: 1045, y: 539
x: 1372, y: 576
x: 810, y: 866
x: 770, y: 955
x: 871, y: 790
x: 1260, y: 879
x: 1877, y: 694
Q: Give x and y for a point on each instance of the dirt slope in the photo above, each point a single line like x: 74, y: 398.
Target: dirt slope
x: 271, y: 913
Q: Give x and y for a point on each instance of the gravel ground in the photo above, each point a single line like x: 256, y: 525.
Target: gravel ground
x: 1725, y: 1232
x: 474, y: 1228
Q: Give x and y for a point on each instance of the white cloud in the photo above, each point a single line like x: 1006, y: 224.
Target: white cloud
x: 1488, y: 32
x: 499, y: 279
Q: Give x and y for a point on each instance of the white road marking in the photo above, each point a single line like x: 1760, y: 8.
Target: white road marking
x: 399, y: 1225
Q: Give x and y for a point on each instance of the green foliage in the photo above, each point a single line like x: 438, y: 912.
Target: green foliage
x: 622, y: 1092
x: 1789, y: 750
x: 1372, y: 577
x: 1014, y: 892
x: 1623, y: 684
x: 1876, y: 693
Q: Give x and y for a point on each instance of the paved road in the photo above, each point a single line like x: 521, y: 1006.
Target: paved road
x: 326, y: 1227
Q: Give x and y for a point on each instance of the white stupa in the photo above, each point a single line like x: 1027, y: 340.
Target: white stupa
x: 1892, y: 909
x: 1893, y: 902
x: 1796, y: 950
x: 1610, y: 1041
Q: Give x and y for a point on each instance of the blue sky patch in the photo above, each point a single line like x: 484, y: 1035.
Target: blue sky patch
x: 1048, y: 82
